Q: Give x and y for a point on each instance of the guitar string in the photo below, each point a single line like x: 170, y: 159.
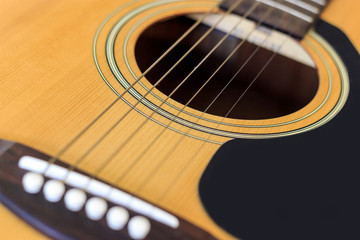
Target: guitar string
x: 106, y: 162
x: 82, y: 158
x: 74, y: 166
x: 189, y: 129
x: 112, y: 156
x: 133, y: 163
x: 210, y: 104
x: 162, y: 162
x: 98, y: 117
x: 183, y: 170
x: 188, y: 163
x: 178, y: 143
x: 164, y: 159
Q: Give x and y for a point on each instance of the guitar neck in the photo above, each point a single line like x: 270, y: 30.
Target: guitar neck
x: 282, y: 15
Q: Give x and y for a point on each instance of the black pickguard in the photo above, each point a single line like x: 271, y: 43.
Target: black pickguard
x: 301, y: 187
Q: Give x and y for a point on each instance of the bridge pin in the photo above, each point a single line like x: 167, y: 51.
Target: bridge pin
x: 117, y: 218
x: 32, y: 182
x: 95, y: 208
x: 139, y: 227
x: 53, y: 190
x: 75, y: 199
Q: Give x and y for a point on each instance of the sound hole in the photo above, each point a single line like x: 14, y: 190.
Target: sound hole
x: 284, y: 87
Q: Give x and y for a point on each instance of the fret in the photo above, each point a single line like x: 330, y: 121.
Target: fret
x: 294, y: 17
x: 320, y: 2
x: 305, y: 6
x: 287, y: 9
x: 311, y: 10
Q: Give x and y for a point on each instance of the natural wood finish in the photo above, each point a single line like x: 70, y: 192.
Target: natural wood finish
x: 51, y: 89
x: 342, y: 14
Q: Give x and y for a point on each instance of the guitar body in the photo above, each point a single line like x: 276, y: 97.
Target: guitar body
x: 51, y: 89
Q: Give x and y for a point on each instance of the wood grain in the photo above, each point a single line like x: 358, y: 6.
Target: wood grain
x: 50, y: 89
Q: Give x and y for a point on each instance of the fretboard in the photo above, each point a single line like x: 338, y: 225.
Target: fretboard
x: 294, y: 17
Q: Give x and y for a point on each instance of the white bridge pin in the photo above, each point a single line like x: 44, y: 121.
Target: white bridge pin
x: 139, y: 227
x: 95, y: 208
x: 117, y: 218
x: 32, y: 182
x: 75, y: 199
x: 53, y: 190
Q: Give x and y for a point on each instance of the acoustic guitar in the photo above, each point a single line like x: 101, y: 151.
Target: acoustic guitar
x: 179, y: 119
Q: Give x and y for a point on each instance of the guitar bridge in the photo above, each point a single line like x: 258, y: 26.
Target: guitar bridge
x: 68, y: 204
